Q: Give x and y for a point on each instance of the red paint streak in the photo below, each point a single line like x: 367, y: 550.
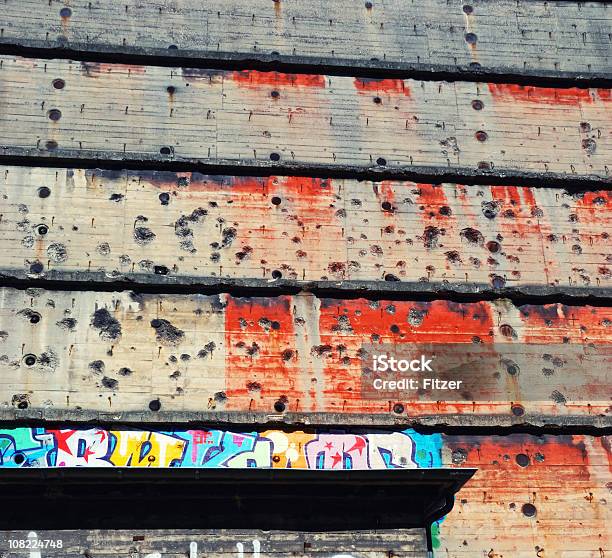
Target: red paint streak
x: 516, y: 197
x: 385, y: 191
x: 431, y: 194
x: 544, y: 95
x: 594, y: 208
x: 251, y: 78
x: 507, y: 194
x: 263, y: 327
x: 604, y: 94
x: 302, y: 186
x: 389, y: 86
x: 442, y: 322
x: 212, y: 184
x: 557, y: 323
x: 516, y: 213
x: 433, y: 197
x: 242, y: 185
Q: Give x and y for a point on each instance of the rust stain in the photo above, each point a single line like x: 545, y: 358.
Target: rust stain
x: 252, y: 78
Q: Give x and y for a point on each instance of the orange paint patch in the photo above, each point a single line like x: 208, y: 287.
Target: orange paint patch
x: 250, y: 78
x: 541, y: 95
x: 261, y: 364
x: 388, y: 86
x: 345, y: 325
x: 558, y: 323
x: 501, y: 451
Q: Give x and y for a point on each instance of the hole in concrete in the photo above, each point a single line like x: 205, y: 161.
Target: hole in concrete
x: 29, y: 360
x: 36, y: 267
x: 35, y: 317
x: 529, y: 510
x: 522, y: 460
x: 54, y: 114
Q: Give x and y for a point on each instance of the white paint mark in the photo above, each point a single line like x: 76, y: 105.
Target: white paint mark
x: 193, y: 550
x: 240, y: 550
x: 154, y: 555
x: 34, y: 552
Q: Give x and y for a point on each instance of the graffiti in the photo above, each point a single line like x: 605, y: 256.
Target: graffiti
x: 97, y: 447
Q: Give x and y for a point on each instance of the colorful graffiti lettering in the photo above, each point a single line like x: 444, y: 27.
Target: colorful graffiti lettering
x: 97, y: 447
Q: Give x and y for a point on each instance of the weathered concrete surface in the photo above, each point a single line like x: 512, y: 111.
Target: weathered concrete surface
x: 122, y: 352
x: 551, y: 39
x: 179, y: 543
x: 526, y: 492
x: 186, y: 228
x: 296, y: 121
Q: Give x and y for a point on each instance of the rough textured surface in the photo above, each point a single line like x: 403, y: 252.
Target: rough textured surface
x: 118, y: 112
x: 552, y: 39
x: 119, y: 352
x: 249, y: 366
x: 179, y: 543
x: 183, y: 228
x: 557, y: 498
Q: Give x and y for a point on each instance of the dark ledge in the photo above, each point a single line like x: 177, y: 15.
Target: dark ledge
x: 250, y: 498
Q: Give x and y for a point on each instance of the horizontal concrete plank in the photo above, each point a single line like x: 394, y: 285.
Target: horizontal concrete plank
x: 179, y: 543
x: 397, y: 236
x: 536, y: 38
x: 137, y: 354
x: 85, y: 110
